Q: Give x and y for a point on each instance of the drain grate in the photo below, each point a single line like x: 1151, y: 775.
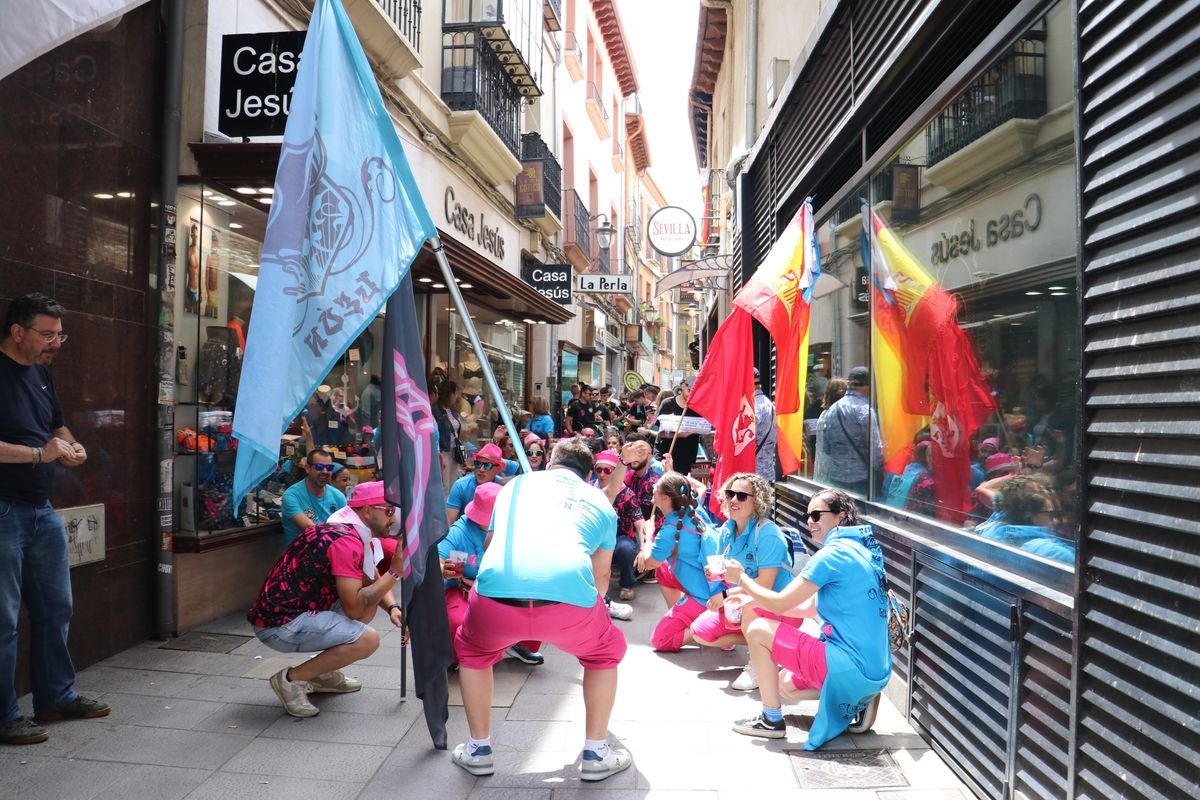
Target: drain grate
x: 846, y: 769
x: 200, y: 642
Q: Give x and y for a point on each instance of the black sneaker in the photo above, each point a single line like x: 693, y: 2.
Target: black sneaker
x: 23, y: 730
x: 79, y: 708
x: 761, y: 726
x: 522, y: 654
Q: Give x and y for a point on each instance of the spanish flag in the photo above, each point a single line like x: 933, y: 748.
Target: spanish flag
x: 779, y: 295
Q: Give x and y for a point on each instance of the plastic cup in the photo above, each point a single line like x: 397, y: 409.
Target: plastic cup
x: 458, y: 560
x: 716, y: 567
x: 733, y: 611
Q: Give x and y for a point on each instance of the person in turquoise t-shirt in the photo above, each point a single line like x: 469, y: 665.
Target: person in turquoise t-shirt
x: 311, y: 500
x: 486, y: 467
x: 850, y: 662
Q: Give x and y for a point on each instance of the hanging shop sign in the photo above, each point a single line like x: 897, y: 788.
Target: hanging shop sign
x: 258, y: 71
x: 552, y: 281
x: 906, y: 193
x: 530, y: 198
x: 671, y: 231
x: 604, y: 284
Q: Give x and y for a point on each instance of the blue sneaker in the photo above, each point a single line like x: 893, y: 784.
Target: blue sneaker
x: 479, y: 764
x: 595, y: 768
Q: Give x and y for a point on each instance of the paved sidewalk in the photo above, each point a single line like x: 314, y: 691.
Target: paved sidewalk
x: 205, y: 725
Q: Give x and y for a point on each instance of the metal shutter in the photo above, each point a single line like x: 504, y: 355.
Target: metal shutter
x: 1138, y: 659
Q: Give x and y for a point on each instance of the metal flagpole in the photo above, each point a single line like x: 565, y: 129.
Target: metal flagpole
x: 485, y: 365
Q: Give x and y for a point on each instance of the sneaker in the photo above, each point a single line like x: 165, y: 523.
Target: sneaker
x: 334, y: 683
x: 865, y: 718
x: 761, y: 726
x: 523, y: 654
x: 79, y: 708
x: 627, y: 594
x: 23, y: 730
x: 620, y: 610
x: 479, y: 764
x: 595, y: 768
x: 746, y: 682
x: 292, y: 695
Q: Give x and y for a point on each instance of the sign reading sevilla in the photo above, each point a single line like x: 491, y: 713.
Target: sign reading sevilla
x: 671, y: 231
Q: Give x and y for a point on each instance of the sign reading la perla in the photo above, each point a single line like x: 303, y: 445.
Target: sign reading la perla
x: 258, y: 72
x: 599, y: 283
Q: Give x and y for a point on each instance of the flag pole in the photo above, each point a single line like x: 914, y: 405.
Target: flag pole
x: 488, y: 376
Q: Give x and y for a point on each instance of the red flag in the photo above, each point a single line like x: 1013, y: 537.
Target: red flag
x: 724, y: 395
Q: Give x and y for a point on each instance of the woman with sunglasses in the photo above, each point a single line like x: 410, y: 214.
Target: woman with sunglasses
x: 850, y: 662
x: 678, y: 551
x: 535, y: 450
x: 754, y: 541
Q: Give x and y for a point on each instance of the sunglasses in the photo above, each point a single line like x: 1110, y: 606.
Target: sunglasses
x: 741, y: 497
x: 604, y: 470
x: 323, y: 467
x: 536, y: 453
x: 485, y: 465
x: 388, y: 510
x: 815, y: 516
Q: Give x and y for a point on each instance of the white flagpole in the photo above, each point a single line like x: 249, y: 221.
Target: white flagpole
x: 485, y: 365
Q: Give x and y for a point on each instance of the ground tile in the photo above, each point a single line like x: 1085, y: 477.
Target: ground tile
x: 550, y: 770
x: 315, y: 760
x: 136, y: 681
x: 925, y: 769
x: 242, y: 719
x: 230, y: 786
x: 421, y: 772
x: 507, y: 686
x: 484, y: 792
x: 158, y: 712
x: 335, y: 726
x: 158, y: 782
x: 235, y: 624
x: 163, y: 746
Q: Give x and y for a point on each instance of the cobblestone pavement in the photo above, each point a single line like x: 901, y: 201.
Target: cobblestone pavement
x: 205, y: 725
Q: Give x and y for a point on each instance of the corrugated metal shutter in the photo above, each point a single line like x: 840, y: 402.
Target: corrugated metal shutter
x: 1044, y: 717
x: 1138, y: 674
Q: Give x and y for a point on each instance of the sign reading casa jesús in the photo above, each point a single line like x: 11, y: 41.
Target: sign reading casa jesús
x: 671, y: 231
x: 258, y: 71
x: 604, y: 284
x: 552, y: 281
x: 472, y: 226
x: 1010, y: 225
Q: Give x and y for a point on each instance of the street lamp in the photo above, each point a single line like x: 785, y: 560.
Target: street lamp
x: 604, y: 231
x: 650, y: 315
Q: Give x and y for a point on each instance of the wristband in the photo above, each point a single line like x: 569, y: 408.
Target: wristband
x: 395, y: 575
x: 393, y: 605
x: 725, y: 593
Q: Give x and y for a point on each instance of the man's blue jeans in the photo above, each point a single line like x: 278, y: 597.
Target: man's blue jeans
x: 34, y: 567
x: 624, y: 553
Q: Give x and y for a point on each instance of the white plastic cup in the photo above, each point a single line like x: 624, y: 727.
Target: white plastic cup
x: 458, y: 559
x: 733, y: 611
x: 716, y: 567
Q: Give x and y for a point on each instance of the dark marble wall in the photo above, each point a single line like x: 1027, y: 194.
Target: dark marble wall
x: 79, y: 159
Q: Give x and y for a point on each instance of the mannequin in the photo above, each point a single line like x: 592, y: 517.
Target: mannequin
x: 470, y: 374
x: 212, y: 265
x: 191, y: 297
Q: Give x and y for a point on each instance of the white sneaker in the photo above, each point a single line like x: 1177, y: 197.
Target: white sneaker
x: 335, y: 682
x: 479, y: 764
x: 746, y: 682
x: 595, y: 768
x: 620, y: 611
x: 293, y: 695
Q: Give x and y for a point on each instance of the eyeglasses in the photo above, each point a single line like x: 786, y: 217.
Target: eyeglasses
x: 48, y: 336
x: 485, y: 465
x: 323, y: 467
x: 741, y: 497
x: 535, y: 453
x: 604, y: 470
x: 815, y: 515
x: 388, y: 510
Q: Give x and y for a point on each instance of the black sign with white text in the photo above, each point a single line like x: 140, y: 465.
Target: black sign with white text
x: 258, y: 71
x: 553, y: 281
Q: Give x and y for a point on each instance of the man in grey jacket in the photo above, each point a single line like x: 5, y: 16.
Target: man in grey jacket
x: 849, y: 449
x: 764, y: 432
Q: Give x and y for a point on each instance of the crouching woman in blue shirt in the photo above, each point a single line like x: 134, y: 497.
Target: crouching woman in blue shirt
x: 850, y: 662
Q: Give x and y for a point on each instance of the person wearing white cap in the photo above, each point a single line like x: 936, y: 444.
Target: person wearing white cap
x: 322, y: 594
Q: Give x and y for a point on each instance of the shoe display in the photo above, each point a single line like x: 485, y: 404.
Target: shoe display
x: 523, y: 654
x: 620, y: 610
x: 746, y: 682
x: 293, y: 695
x: 23, y: 730
x: 479, y: 764
x: 866, y: 718
x: 79, y: 708
x: 334, y: 683
x: 595, y: 768
x: 627, y: 594
x: 762, y: 727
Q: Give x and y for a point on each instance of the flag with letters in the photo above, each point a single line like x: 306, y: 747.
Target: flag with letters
x: 346, y: 223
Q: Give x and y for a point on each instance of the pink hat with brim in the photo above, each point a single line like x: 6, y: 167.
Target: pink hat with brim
x: 990, y: 443
x: 479, y: 510
x: 367, y: 494
x: 491, y: 453
x: 998, y: 462
x: 530, y: 438
x: 608, y: 457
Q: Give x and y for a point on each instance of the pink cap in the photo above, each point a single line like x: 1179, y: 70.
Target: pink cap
x: 367, y: 494
x: 491, y: 453
x: 530, y: 438
x: 608, y: 457
x: 997, y: 462
x: 989, y: 445
x: 479, y: 510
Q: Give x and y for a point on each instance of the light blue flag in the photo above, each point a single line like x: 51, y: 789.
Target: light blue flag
x: 346, y: 223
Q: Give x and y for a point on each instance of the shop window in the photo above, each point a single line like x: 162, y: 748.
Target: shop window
x: 971, y: 330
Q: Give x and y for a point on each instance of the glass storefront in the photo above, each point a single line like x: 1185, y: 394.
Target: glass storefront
x: 961, y: 252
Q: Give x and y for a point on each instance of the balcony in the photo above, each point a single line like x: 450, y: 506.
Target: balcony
x: 390, y: 32
x: 485, y: 105
x: 548, y: 215
x: 577, y: 235
x: 513, y: 31
x: 552, y: 15
x: 596, y: 110
x: 573, y: 56
x: 618, y: 155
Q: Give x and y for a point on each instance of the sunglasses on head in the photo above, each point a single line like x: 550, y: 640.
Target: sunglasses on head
x: 815, y: 515
x: 323, y: 467
x: 604, y: 470
x: 535, y: 453
x: 741, y: 497
x: 388, y: 510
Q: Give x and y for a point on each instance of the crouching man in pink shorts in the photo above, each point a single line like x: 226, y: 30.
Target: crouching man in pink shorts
x: 543, y: 577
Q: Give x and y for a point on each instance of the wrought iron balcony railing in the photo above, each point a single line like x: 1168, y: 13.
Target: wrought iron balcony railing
x: 576, y: 220
x: 406, y: 16
x: 473, y: 79
x: 594, y: 96
x: 533, y: 147
x: 512, y: 28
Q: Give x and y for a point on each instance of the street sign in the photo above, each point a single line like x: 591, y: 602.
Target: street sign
x: 604, y: 284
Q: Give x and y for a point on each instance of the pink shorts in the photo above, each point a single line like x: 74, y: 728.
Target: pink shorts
x: 668, y: 633
x: 802, y: 655
x: 490, y: 628
x: 666, y: 576
x: 711, y: 625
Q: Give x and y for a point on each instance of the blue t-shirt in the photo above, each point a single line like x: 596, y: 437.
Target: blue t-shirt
x: 468, y: 537
x: 542, y: 425
x: 694, y: 547
x: 761, y: 546
x: 545, y: 528
x: 298, y: 500
x: 461, y: 492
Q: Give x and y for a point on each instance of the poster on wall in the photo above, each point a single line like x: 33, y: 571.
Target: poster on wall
x: 85, y: 533
x: 201, y: 283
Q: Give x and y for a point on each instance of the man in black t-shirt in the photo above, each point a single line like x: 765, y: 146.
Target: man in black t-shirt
x: 34, y: 567
x: 683, y: 455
